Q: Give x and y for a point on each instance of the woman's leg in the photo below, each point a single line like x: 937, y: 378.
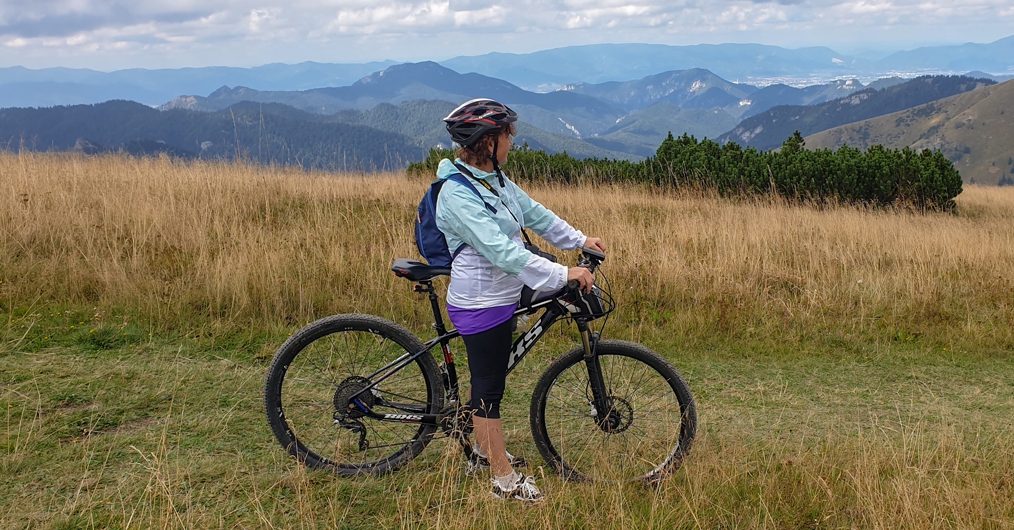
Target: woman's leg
x: 489, y: 434
x: 488, y: 352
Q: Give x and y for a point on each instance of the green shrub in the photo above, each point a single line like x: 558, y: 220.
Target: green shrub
x: 877, y: 177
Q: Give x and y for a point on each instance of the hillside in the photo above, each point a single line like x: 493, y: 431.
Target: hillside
x: 24, y: 87
x: 642, y: 131
x: 281, y: 135
x: 781, y: 94
x: 975, y: 130
x: 853, y: 365
x: 770, y: 128
x: 406, y: 82
x: 684, y: 88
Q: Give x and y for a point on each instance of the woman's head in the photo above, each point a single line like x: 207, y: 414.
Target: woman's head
x: 480, y: 150
x: 479, y: 124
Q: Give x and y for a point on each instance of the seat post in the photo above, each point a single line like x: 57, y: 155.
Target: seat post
x: 426, y: 286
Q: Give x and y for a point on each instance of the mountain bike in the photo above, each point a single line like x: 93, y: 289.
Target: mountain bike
x: 355, y: 394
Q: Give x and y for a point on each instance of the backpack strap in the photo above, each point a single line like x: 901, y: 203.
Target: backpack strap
x: 461, y: 179
x: 463, y: 169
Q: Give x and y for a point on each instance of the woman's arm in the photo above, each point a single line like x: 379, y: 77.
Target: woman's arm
x: 544, y: 222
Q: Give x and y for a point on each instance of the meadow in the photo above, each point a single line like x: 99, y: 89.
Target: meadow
x: 852, y: 366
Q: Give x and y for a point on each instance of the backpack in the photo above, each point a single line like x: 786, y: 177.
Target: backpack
x: 428, y: 238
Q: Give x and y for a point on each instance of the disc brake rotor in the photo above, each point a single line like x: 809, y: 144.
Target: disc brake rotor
x: 618, y: 417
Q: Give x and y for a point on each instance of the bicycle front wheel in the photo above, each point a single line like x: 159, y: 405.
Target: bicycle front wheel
x: 645, y: 430
x: 320, y: 368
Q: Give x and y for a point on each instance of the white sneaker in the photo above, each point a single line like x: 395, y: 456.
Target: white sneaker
x: 478, y: 461
x: 524, y: 489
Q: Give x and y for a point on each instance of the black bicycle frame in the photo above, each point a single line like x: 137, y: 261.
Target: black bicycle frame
x: 522, y: 345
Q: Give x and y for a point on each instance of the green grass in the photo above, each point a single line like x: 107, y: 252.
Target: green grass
x: 852, y: 367
x: 115, y: 428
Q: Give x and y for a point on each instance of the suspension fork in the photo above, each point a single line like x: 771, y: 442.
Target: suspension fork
x: 600, y: 393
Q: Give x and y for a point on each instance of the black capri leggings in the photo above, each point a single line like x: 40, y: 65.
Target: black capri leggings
x: 488, y: 352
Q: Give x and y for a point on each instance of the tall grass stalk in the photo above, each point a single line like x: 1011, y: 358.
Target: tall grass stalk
x: 211, y: 248
x: 851, y: 366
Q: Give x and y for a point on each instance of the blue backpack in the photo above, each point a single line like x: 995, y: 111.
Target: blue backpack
x: 428, y: 238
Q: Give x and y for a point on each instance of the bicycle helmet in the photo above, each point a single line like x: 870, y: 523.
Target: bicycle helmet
x: 474, y: 118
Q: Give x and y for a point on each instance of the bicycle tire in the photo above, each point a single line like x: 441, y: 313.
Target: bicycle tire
x: 655, y: 412
x: 319, y: 365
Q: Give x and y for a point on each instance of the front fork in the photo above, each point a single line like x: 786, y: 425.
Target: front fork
x: 600, y: 394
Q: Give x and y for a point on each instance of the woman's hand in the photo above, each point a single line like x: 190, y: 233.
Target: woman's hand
x: 584, y: 277
x: 595, y: 243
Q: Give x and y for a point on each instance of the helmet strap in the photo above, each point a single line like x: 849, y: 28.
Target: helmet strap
x: 496, y: 163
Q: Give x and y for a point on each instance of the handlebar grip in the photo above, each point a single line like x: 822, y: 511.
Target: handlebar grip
x: 573, y: 284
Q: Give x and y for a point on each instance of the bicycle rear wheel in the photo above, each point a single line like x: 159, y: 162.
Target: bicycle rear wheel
x: 646, y: 431
x: 321, y: 367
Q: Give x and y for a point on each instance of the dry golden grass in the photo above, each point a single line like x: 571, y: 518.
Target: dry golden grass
x: 202, y: 247
x: 850, y: 366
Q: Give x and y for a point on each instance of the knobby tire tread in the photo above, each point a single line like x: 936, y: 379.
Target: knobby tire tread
x: 606, y: 348
x: 298, y: 341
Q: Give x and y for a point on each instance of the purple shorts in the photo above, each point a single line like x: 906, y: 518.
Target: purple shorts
x: 472, y: 321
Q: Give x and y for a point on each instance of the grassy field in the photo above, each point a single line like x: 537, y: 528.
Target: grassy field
x: 852, y: 367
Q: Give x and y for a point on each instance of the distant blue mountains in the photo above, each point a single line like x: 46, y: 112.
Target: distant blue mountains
x: 747, y: 63
x: 23, y: 87
x: 540, y: 71
x: 382, y: 115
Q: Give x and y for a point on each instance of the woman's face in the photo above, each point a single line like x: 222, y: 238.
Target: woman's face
x: 503, y: 145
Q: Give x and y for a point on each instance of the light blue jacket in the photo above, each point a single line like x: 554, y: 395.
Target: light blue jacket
x: 494, y: 265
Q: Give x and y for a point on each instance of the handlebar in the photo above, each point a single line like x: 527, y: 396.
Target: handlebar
x: 589, y: 258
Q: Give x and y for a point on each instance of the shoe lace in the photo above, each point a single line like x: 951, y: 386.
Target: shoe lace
x: 526, y: 486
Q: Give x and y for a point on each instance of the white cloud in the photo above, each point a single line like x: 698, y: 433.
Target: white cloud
x: 123, y: 33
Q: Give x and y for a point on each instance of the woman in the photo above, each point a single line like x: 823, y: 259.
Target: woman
x: 488, y: 273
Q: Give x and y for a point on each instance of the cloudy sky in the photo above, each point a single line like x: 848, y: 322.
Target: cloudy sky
x: 109, y: 35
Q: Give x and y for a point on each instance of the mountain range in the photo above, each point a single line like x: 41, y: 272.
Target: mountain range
x: 630, y: 118
x: 595, y: 118
x: 770, y: 128
x: 385, y: 137
x: 558, y: 111
x: 540, y: 71
x: 398, y: 110
x: 750, y: 63
x: 973, y: 129
x: 23, y: 87
x: 270, y: 134
x: 604, y: 120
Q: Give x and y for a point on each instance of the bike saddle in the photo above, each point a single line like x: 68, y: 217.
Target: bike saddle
x: 417, y: 271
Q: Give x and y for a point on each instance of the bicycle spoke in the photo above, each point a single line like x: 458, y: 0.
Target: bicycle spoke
x: 312, y: 383
x: 634, y: 388
x: 635, y: 437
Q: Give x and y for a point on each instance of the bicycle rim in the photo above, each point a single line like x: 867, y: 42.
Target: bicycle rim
x: 315, y: 376
x: 643, y: 434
